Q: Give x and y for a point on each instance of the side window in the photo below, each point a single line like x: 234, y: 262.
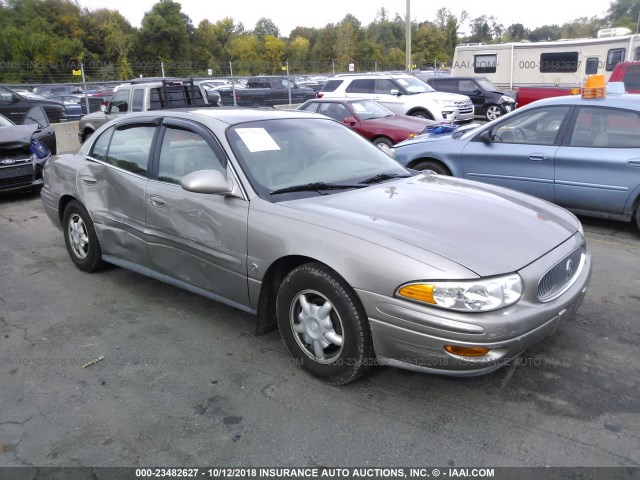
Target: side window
x: 361, y: 86
x: 606, y: 127
x: 36, y: 116
x: 559, y: 62
x: 138, y: 100
x: 311, y: 107
x: 101, y: 145
x: 467, y: 87
x: 636, y: 57
x: 591, y: 66
x: 120, y: 102
x: 334, y: 110
x: 130, y: 148
x: 183, y: 152
x: 533, y: 127
x: 614, y: 56
x: 384, y: 86
x: 485, y: 63
x: 331, y: 85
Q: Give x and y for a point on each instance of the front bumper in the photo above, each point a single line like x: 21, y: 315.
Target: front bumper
x: 413, y: 336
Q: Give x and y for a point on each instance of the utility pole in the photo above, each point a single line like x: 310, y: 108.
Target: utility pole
x: 407, y: 23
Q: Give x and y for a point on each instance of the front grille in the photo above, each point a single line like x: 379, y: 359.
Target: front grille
x: 16, y: 176
x: 561, y: 276
x: 464, y: 106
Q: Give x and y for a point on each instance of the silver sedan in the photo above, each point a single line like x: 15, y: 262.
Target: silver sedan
x: 299, y: 220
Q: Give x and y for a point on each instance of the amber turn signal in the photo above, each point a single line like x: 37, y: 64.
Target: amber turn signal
x: 466, y: 351
x: 418, y: 291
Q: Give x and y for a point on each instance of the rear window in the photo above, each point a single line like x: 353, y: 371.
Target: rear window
x: 331, y: 85
x: 632, y: 78
x: 606, y: 127
x: 361, y: 86
x: 176, y: 96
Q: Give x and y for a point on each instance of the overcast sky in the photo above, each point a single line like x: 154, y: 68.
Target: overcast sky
x: 288, y: 14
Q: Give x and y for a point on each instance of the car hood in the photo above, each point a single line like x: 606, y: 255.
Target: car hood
x: 438, y: 137
x: 16, y: 136
x: 404, y: 122
x: 444, y: 96
x: 488, y: 230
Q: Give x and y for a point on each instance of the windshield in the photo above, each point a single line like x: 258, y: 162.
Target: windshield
x: 413, y: 85
x: 368, y: 109
x: 487, y: 85
x: 281, y: 154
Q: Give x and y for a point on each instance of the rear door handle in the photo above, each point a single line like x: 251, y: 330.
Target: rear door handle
x: 87, y: 180
x: 538, y: 157
x: 157, y: 201
x: 634, y: 163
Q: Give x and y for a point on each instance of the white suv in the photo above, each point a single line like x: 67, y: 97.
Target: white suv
x: 404, y: 94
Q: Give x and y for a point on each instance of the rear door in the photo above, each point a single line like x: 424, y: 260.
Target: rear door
x: 199, y: 239
x: 521, y: 152
x: 598, y: 166
x: 112, y: 184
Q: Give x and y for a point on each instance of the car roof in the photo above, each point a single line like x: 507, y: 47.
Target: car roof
x: 619, y: 100
x: 229, y: 115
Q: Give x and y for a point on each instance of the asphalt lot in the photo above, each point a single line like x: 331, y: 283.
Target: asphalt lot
x: 184, y: 382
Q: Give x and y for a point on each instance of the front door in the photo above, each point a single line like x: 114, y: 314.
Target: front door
x: 520, y: 153
x: 197, y: 238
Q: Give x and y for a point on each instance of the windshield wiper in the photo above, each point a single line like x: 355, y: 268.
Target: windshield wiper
x: 381, y: 177
x: 316, y: 186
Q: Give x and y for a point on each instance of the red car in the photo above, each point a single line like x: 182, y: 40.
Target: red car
x: 370, y: 119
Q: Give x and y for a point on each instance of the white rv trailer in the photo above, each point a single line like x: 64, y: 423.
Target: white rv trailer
x: 564, y: 63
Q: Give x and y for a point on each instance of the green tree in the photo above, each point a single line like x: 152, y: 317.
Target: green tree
x: 516, y: 32
x: 165, y: 33
x: 264, y: 27
x: 624, y: 13
x: 274, y: 52
x: 348, y: 37
x: 544, y: 33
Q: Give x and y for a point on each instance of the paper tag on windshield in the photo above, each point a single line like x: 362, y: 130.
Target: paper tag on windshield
x: 257, y: 139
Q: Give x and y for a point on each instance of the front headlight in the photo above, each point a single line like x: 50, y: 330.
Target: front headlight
x: 480, y: 295
x: 507, y: 99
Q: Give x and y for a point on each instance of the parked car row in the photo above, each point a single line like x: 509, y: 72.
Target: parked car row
x: 582, y: 154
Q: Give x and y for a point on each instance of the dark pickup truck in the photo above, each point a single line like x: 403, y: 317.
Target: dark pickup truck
x: 267, y: 92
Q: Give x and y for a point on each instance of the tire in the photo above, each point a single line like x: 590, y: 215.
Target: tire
x: 421, y: 114
x: 333, y: 340
x: 638, y: 217
x: 432, y: 166
x: 493, y: 111
x: 80, y: 238
x: 86, y: 134
x: 383, y: 141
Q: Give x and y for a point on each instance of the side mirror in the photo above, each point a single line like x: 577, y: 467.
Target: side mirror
x: 477, y: 92
x: 486, y: 136
x: 395, y: 92
x: 207, y: 181
x: 350, y: 120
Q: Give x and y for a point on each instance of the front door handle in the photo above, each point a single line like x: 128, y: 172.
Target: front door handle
x: 538, y: 157
x: 157, y: 201
x: 87, y: 180
x: 634, y: 163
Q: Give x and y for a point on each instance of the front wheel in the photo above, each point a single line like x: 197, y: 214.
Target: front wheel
x: 324, y: 325
x: 421, y: 114
x: 493, y: 112
x: 431, y: 166
x: 81, y: 239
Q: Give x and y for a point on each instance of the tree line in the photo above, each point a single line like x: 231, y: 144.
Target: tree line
x: 45, y: 40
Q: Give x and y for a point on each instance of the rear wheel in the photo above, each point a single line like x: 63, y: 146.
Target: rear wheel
x: 493, y: 111
x: 638, y: 216
x: 324, y: 325
x: 81, y: 239
x: 431, y: 166
x: 421, y: 114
